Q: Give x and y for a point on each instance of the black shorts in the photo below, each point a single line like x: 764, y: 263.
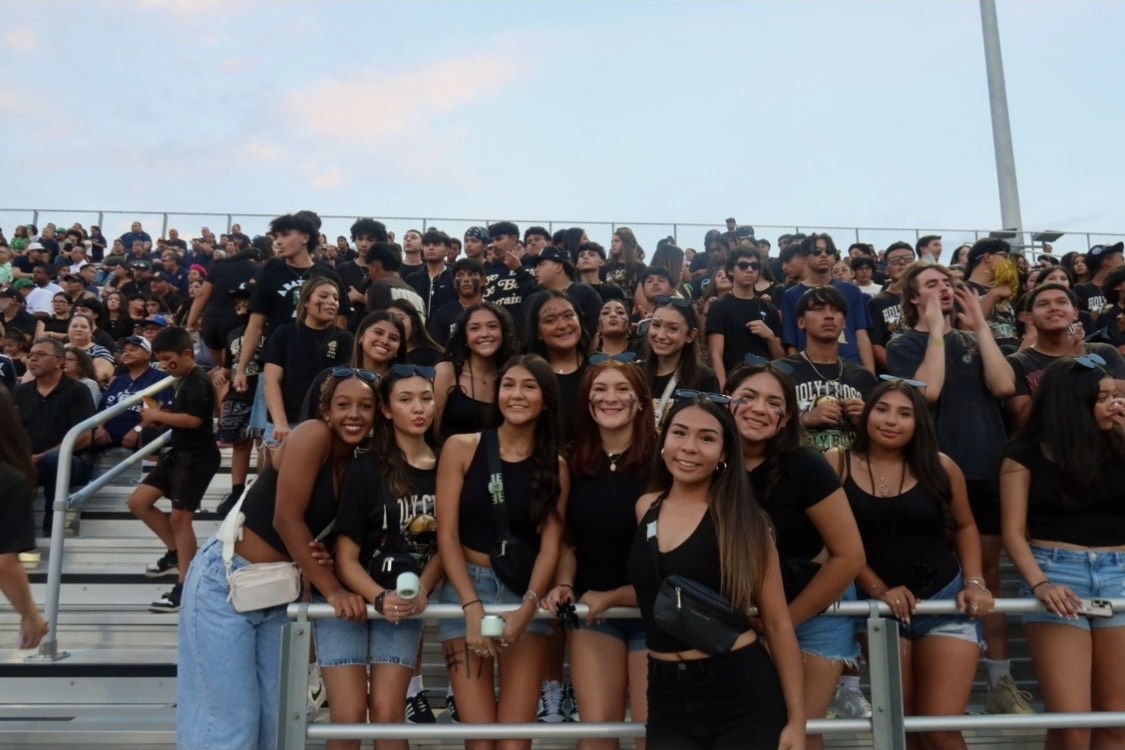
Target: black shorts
x: 184, y: 475
x: 984, y: 501
x: 215, y: 331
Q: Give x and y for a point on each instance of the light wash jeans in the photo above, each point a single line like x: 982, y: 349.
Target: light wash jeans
x: 229, y: 663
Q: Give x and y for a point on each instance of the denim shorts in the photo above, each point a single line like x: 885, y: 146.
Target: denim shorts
x: 630, y: 631
x: 952, y: 626
x: 831, y: 637
x: 341, y: 643
x: 259, y: 414
x: 1090, y: 575
x: 490, y: 590
x: 267, y: 434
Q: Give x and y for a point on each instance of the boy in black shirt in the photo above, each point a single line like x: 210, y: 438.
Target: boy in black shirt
x: 186, y: 469
x: 741, y: 322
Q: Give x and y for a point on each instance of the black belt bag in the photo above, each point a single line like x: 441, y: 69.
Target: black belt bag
x: 698, y: 616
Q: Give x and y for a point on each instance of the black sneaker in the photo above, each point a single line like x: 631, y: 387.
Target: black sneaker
x: 418, y: 709
x: 451, y: 709
x: 170, y: 602
x: 168, y: 565
x: 229, y: 501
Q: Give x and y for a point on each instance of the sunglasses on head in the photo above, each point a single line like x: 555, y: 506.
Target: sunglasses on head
x: 624, y: 358
x: 1091, y: 361
x: 748, y: 266
x: 688, y: 394
x: 895, y: 379
x: 755, y: 361
x: 352, y: 372
x: 667, y: 299
x: 408, y: 371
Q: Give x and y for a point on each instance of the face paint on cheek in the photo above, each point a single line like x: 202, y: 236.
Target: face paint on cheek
x: 475, y: 283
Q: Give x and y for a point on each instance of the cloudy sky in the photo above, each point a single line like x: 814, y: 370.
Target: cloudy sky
x: 817, y: 114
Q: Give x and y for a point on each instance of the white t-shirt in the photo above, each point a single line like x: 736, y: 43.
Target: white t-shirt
x: 870, y: 290
x: 39, y: 299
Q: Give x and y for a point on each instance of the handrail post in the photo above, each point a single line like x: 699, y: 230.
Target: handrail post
x: 293, y: 685
x: 885, y: 661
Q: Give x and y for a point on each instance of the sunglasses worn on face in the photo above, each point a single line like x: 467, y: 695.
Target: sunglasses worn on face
x: 665, y: 299
x: 913, y: 383
x: 624, y: 358
x: 755, y: 361
x: 816, y: 251
x: 407, y: 371
x: 900, y: 260
x: 688, y: 394
x: 351, y: 372
x: 748, y: 266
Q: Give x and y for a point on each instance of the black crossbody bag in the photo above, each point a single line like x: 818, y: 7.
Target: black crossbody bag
x: 512, y: 558
x: 392, y: 559
x: 689, y: 611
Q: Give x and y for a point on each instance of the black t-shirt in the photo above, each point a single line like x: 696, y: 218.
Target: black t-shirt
x: 225, y: 275
x: 840, y: 380
x: 568, y: 390
x: 1029, y: 365
x: 367, y: 507
x: 277, y: 288
x: 253, y: 369
x: 1091, y: 298
x: 705, y: 381
x: 608, y: 291
x: 353, y: 276
x: 1099, y: 517
x: 48, y: 419
x: 626, y: 277
x: 423, y: 356
x: 730, y: 315
x: 442, y: 322
x: 601, y: 519
x: 508, y: 288
x: 1109, y: 323
x: 1002, y: 319
x: 195, y: 396
x: 970, y: 425
x: 17, y: 523
x: 805, y: 479
x: 885, y: 311
x: 434, y: 292
x: 302, y: 352
x: 23, y: 321
x: 381, y: 293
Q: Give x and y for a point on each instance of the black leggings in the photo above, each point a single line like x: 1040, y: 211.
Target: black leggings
x: 732, y: 700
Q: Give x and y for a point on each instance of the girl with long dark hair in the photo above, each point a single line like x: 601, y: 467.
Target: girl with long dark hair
x: 555, y: 332
x: 387, y: 505
x: 704, y: 526
x: 671, y: 353
x: 613, y: 327
x: 816, y: 535
x: 466, y: 380
x: 535, y: 488
x: 1062, y: 492
x: 624, y: 268
x: 421, y: 349
x: 116, y: 320
x: 921, y: 542
x: 1075, y: 264
x: 609, y: 469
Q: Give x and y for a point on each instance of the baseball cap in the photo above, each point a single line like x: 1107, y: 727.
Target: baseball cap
x: 140, y: 263
x: 160, y: 321
x: 140, y: 341
x: 22, y: 284
x: 11, y: 293
x: 553, y: 253
x: 35, y: 246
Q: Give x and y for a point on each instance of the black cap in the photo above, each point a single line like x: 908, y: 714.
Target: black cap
x: 140, y: 263
x: 242, y: 291
x: 558, y: 255
x: 11, y: 293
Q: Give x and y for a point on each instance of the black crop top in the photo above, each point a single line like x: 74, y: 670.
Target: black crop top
x: 1099, y: 519
x: 696, y: 558
x: 477, y: 525
x: 805, y: 479
x: 463, y: 414
x: 258, y: 507
x: 601, y: 518
x: 904, y: 539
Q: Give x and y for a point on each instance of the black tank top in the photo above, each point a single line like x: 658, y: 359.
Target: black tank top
x: 696, y: 558
x: 463, y: 414
x: 601, y: 518
x: 261, y: 499
x: 477, y: 524
x: 904, y: 538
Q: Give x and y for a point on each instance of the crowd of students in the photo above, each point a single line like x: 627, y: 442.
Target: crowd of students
x: 532, y: 421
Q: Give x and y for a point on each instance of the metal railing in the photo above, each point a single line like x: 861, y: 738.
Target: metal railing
x: 888, y: 724
x: 63, y: 501
x: 687, y: 234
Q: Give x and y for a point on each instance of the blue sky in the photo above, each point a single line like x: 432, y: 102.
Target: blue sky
x: 820, y: 114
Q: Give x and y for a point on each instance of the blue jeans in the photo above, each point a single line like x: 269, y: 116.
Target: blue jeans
x: 951, y: 626
x: 48, y: 477
x: 229, y: 663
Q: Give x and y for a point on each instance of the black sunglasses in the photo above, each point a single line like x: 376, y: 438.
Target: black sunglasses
x: 895, y: 379
x: 817, y: 251
x: 755, y: 361
x: 352, y: 372
x: 1091, y: 361
x: 408, y: 371
x: 624, y: 358
x: 748, y: 266
x: 665, y: 299
x: 688, y: 394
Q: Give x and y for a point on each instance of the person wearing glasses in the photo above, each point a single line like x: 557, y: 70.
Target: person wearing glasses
x: 817, y: 540
x: 608, y: 474
x: 820, y: 254
x: 297, y: 352
x: 535, y: 489
x: 885, y: 308
x: 699, y: 524
x: 1062, y: 487
x: 911, y: 505
x: 966, y: 378
x: 387, y: 505
x: 227, y: 689
x: 741, y: 322
x: 671, y: 353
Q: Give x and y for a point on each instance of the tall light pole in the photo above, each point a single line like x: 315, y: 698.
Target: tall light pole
x: 1001, y: 128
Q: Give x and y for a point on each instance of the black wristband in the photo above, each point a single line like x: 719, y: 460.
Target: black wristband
x: 379, y: 600
x: 1044, y: 581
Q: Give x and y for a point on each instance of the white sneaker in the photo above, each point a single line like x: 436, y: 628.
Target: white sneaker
x: 849, y: 703
x: 551, y: 704
x: 317, y: 694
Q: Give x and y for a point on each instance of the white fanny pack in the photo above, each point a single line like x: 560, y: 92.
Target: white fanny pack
x: 258, y: 585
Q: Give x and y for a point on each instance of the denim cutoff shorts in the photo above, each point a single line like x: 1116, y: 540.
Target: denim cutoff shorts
x: 1089, y: 574
x: 490, y: 590
x: 953, y: 626
x: 831, y: 637
x: 630, y: 631
x: 340, y: 643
